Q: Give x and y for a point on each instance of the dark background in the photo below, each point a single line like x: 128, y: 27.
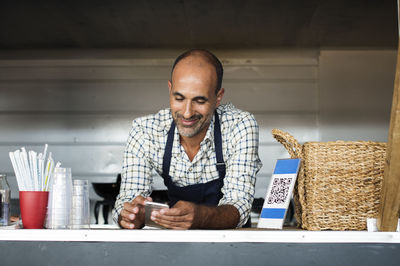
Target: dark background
x: 189, y: 23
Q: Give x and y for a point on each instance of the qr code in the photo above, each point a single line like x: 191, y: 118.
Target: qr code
x: 279, y: 191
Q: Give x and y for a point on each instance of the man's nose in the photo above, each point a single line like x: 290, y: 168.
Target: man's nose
x: 188, y: 110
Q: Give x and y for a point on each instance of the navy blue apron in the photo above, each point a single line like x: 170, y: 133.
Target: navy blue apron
x: 207, y: 193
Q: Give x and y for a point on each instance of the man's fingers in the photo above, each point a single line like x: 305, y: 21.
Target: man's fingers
x: 173, y: 224
x: 181, y: 216
x: 132, y: 214
x: 127, y: 222
x: 131, y: 207
x: 183, y: 221
x: 128, y: 215
x: 173, y: 212
x: 170, y: 218
x: 127, y: 225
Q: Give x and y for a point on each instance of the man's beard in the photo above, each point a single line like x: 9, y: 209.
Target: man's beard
x: 193, y: 130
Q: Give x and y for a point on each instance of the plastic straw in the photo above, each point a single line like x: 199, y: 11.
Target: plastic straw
x: 31, y: 172
x: 34, y: 169
x: 25, y: 164
x: 21, y: 185
x: 22, y: 168
x: 49, y: 171
x: 40, y: 171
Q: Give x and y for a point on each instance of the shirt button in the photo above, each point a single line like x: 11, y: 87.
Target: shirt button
x: 190, y: 169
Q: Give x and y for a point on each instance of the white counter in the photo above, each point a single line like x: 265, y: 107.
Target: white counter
x: 200, y: 236
x: 254, y: 247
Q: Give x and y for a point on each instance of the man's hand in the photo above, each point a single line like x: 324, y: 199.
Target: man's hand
x: 132, y: 214
x: 183, y: 215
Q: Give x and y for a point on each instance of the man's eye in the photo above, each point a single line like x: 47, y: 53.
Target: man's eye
x: 179, y: 99
x: 200, y: 101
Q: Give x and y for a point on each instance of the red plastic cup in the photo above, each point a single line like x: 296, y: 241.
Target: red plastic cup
x: 33, y: 206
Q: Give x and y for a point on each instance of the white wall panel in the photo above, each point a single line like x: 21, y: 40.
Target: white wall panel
x: 93, y: 72
x: 356, y: 93
x: 89, y: 96
x: 83, y: 104
x: 273, y: 96
x: 67, y: 129
x: 150, y: 96
x: 96, y: 72
x: 302, y: 126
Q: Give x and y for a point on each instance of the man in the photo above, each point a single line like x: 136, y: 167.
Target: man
x: 207, y: 154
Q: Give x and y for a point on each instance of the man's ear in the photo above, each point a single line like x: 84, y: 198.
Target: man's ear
x: 220, y: 95
x: 169, y: 86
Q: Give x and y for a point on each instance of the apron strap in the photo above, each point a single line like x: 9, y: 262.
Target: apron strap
x: 168, y: 153
x: 221, y: 168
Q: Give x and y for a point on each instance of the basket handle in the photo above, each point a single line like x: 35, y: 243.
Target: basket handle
x: 289, y: 142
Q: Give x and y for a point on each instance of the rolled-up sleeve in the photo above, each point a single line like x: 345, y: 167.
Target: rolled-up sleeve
x: 242, y: 166
x: 136, y: 175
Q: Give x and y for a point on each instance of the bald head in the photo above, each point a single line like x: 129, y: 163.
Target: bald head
x: 199, y: 57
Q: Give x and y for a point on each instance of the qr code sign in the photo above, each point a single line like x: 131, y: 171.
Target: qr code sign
x: 279, y: 191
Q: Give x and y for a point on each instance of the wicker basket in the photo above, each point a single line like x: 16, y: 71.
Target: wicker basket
x: 339, y: 183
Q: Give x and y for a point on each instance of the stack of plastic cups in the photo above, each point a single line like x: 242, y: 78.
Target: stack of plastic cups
x: 59, y: 205
x: 80, y: 213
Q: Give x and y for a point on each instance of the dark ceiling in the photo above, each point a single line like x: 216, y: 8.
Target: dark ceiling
x: 190, y: 23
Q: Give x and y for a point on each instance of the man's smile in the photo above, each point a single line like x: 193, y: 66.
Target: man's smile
x: 190, y: 121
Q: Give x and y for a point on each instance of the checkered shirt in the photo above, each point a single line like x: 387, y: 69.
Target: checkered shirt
x: 145, y: 149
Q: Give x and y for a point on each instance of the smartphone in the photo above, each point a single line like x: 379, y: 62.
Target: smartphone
x: 150, y: 206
